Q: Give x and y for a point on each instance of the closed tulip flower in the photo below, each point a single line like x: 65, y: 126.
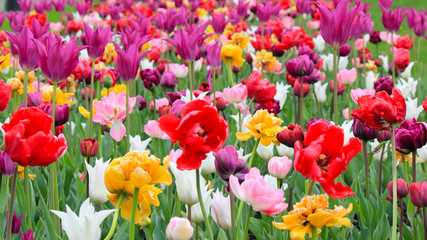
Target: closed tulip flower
x: 179, y: 229
x: 89, y: 147
x: 418, y: 194
x: 97, y: 189
x: 220, y: 210
x: 410, y: 136
x: 279, y: 167
x: 363, y: 132
x: 185, y: 185
x: 96, y: 40
x: 402, y: 188
x: 290, y: 135
x: 347, y: 77
x: 6, y: 164
x: 16, y: 222
x: 227, y: 163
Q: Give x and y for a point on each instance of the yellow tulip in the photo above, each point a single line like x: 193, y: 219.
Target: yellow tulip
x: 232, y: 54
x: 61, y: 97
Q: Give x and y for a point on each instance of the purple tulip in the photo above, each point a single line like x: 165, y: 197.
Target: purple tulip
x: 34, y: 99
x: 418, y: 194
x: 387, y: 4
x: 25, y: 5
x: 187, y: 45
x: 417, y: 21
x: 410, y: 136
x: 62, y: 113
x: 392, y: 20
x: 264, y: 12
x: 384, y: 84
x: 242, y: 9
x: 59, y: 5
x: 142, y: 103
x: 227, y: 163
x: 335, y: 25
x: 39, y: 7
x: 169, y: 20
x: 218, y: 23
x: 131, y: 36
x: 150, y: 77
x: 2, y: 17
x: 384, y: 136
x: 361, y: 25
x: 177, y: 107
x: 345, y: 50
x: 128, y: 61
x: 305, y: 50
x: 115, y: 11
x: 363, y: 132
x: 374, y: 37
x: 16, y: 20
x: 300, y: 66
x: 168, y: 80
x: 313, y: 121
x: 47, y: 5
x: 173, y: 97
x: 303, y: 6
x: 6, y: 164
x: 39, y: 30
x: 16, y: 222
x: 127, y: 4
x: 28, y: 235
x: 96, y: 40
x: 81, y: 7
x: 312, y: 78
x: 58, y: 59
x: 26, y: 49
x: 274, y: 110
x: 213, y: 55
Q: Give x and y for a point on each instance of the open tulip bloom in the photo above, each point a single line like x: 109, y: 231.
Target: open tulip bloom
x: 205, y: 119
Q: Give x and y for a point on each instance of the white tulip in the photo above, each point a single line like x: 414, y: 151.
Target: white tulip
x: 408, y: 88
x: 422, y: 154
x: 407, y: 73
x: 97, y: 189
x: 185, y: 184
x: 412, y: 109
x: 320, y: 91
x: 284, y: 150
x: 384, y: 60
x: 137, y: 145
x: 220, y: 210
x: 241, y: 156
x: 348, y: 133
x: 370, y: 79
x: 319, y: 43
x: 196, y: 210
x: 377, y: 155
x: 265, y: 152
x: 84, y: 226
x: 208, y: 165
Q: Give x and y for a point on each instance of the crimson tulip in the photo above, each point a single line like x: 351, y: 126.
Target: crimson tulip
x: 261, y: 90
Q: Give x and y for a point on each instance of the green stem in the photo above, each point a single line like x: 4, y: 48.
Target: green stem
x: 153, y: 95
x: 92, y: 87
x: 25, y: 88
x: 27, y: 195
x: 12, y: 200
x: 365, y: 156
x: 233, y: 216
x: 190, y: 78
x: 53, y: 186
x: 202, y: 205
x: 336, y: 85
x: 248, y: 218
x: 127, y: 115
x: 393, y: 68
x: 310, y: 187
x: 213, y: 86
x: 349, y: 100
x: 253, y: 153
x: 133, y: 213
x: 425, y: 222
x: 313, y: 233
x: 229, y: 74
x: 394, y: 222
x: 301, y: 103
x: 414, y: 166
x: 100, y: 140
x: 116, y: 216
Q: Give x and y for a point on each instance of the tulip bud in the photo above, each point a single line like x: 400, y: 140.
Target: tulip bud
x: 402, y: 188
x: 97, y: 189
x: 374, y: 37
x: 418, y: 194
x: 340, y: 88
x: 220, y: 210
x: 249, y: 59
x: 6, y: 164
x: 62, y: 113
x: 384, y: 136
x: 89, y: 147
x: 220, y: 104
x: 85, y: 93
x: 142, y: 103
x: 150, y: 77
x: 362, y: 131
x: 179, y: 229
x: 168, y: 80
x: 108, y: 81
x: 297, y: 89
x: 16, y: 222
x: 290, y: 135
x: 236, y: 69
x: 345, y: 50
x: 300, y: 66
x: 165, y: 109
x: 28, y: 235
x: 279, y: 167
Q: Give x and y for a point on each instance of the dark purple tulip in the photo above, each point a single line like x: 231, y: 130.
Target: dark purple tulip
x: 300, y: 66
x: 150, y: 77
x: 417, y: 21
x: 213, y: 55
x: 168, y: 80
x: 25, y: 5
x: 96, y: 40
x: 274, y: 110
x: 187, y: 45
x: 34, y: 99
x: 363, y: 132
x: 227, y: 163
x: 410, y: 136
x: 39, y: 30
x: 345, y: 50
x: 28, y: 235
x: 6, y: 164
x: 309, y: 52
x: 303, y: 6
x: 16, y: 20
x: 384, y: 136
x: 335, y: 25
x: 218, y: 23
x: 402, y: 188
x: 242, y: 9
x: 16, y: 222
x: 58, y: 59
x: 128, y: 62
x: 392, y: 20
x: 173, y: 97
x: 26, y: 48
x: 374, y: 37
x: 277, y: 51
x: 62, y: 113
x: 115, y: 11
x: 418, y: 194
x: 313, y: 121
x: 384, y: 84
x: 142, y: 103
x: 267, y: 30
x: 59, y: 5
x: 387, y: 4
x: 312, y: 78
x: 264, y: 12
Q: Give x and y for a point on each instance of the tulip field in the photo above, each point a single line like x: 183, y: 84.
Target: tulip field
x: 203, y: 119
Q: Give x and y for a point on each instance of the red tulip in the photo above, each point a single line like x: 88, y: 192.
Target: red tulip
x: 261, y: 90
x: 381, y: 110
x: 322, y: 161
x: 29, y: 141
x: 425, y: 105
x: 5, y: 95
x: 200, y: 130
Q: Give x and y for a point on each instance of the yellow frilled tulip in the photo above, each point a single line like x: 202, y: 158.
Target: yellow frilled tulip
x: 6, y: 61
x: 312, y: 212
x: 136, y: 170
x: 232, y: 54
x: 109, y: 53
x: 265, y: 58
x: 61, y: 97
x: 16, y: 85
x: 118, y: 88
x: 239, y: 39
x: 262, y: 125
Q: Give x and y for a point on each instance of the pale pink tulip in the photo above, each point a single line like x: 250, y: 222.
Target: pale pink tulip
x: 346, y: 114
x: 360, y: 43
x: 152, y: 129
x: 112, y: 110
x: 179, y: 229
x: 236, y: 94
x: 279, y: 167
x: 347, y: 77
x: 313, y: 25
x: 179, y: 70
x: 256, y: 192
x: 357, y: 93
x: 159, y: 103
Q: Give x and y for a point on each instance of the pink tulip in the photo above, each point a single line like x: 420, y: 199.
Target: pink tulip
x: 279, y: 167
x: 179, y: 70
x: 347, y: 77
x: 357, y: 93
x: 152, y: 129
x: 179, y: 228
x: 112, y: 110
x: 346, y: 114
x: 360, y: 43
x: 313, y: 25
x: 159, y: 103
x: 256, y: 192
x: 236, y: 94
